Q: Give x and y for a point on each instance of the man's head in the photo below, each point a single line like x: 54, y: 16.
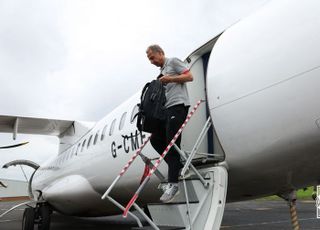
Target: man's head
x: 156, y: 55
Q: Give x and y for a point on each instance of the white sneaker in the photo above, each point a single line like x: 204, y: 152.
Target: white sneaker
x: 171, y: 191
x: 163, y: 186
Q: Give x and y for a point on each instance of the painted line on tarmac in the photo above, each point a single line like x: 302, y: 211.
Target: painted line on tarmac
x: 5, y: 221
x: 19, y: 209
x: 264, y: 223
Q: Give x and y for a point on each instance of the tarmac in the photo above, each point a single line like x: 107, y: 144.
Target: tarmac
x: 251, y: 215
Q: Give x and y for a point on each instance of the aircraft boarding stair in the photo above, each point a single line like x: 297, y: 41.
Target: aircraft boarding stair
x: 200, y: 205
x: 201, y: 201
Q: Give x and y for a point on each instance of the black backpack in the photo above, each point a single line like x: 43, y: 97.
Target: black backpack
x: 151, y: 107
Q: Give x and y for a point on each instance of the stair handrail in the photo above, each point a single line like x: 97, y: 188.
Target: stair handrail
x: 196, y: 145
x: 126, y: 167
x: 123, y: 171
x: 158, y: 162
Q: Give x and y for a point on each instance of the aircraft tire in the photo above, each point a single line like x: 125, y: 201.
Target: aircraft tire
x: 147, y: 212
x: 28, y: 219
x: 44, y: 217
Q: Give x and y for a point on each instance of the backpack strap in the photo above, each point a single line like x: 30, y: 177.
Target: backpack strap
x: 144, y: 90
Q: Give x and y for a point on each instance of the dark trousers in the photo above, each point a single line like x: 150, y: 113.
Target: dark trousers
x: 160, y: 139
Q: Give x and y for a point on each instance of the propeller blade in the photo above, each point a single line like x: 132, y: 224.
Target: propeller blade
x: 14, y: 146
x: 3, y: 185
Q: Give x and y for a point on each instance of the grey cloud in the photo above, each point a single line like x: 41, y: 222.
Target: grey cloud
x: 30, y: 40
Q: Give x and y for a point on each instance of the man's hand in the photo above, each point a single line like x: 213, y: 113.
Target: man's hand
x: 182, y: 78
x: 165, y: 79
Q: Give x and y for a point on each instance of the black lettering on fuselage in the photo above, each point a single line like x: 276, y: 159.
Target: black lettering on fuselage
x: 142, y: 137
x: 114, y: 149
x: 134, y: 141
x: 126, y: 148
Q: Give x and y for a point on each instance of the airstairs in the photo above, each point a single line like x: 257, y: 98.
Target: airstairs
x: 200, y: 203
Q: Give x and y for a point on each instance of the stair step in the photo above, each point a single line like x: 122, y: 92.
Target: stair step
x: 181, y: 198
x: 174, y: 203
x: 160, y: 227
x: 171, y: 215
x: 204, y: 202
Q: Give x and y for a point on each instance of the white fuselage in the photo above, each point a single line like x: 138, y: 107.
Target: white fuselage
x: 261, y: 82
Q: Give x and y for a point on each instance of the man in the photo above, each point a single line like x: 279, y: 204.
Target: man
x: 174, y: 74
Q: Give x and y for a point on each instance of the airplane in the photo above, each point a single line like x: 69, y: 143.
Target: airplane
x: 259, y: 80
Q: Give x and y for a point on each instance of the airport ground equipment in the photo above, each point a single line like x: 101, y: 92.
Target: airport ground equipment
x: 200, y: 204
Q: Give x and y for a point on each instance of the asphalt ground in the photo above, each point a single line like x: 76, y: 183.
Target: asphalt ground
x: 251, y: 215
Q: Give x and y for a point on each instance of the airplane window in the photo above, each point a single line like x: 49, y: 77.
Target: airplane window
x: 73, y: 151
x: 78, y: 148
x: 104, y: 131
x: 83, y: 144
x: 89, y: 141
x: 123, y: 118
x: 134, y: 112
x: 112, y: 127
x: 96, y: 138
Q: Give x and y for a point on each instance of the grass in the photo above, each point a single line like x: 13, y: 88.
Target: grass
x: 301, y: 195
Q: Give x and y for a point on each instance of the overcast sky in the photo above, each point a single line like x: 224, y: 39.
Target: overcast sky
x: 78, y: 59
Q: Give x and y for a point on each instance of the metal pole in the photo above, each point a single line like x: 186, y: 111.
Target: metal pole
x: 125, y: 168
x: 187, y: 202
x: 203, y: 181
x: 122, y: 208
x: 153, y: 225
x: 196, y: 145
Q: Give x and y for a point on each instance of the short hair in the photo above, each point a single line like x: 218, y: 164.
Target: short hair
x: 155, y: 48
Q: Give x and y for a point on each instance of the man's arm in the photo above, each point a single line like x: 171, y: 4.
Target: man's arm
x: 182, y: 78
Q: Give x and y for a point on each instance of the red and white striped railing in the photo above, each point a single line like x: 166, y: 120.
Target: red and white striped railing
x: 125, y: 168
x: 158, y: 162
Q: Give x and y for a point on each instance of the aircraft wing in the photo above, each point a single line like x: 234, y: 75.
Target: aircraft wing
x: 30, y: 125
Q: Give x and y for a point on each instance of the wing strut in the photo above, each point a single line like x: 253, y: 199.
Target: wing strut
x: 15, y: 128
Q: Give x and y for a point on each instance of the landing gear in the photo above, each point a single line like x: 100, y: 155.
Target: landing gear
x: 28, y: 219
x: 40, y: 215
x: 44, y: 217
